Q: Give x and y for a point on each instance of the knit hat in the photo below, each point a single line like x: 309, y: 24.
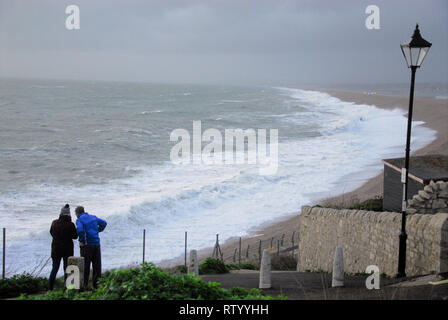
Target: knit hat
x: 65, y: 210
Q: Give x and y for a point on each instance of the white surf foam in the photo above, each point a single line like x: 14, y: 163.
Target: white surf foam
x: 205, y: 200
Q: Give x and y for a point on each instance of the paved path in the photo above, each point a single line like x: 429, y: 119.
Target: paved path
x: 312, y: 286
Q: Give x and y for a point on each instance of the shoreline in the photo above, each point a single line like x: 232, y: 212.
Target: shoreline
x: 433, y: 112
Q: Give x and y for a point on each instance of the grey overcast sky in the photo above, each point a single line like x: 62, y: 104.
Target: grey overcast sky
x: 262, y: 42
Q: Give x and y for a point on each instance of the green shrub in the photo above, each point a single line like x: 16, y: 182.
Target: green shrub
x: 369, y: 205
x: 246, y: 265
x: 18, y: 284
x: 212, y: 266
x: 151, y: 283
x: 232, y: 266
x: 180, y: 269
x: 283, y: 262
x: 375, y: 204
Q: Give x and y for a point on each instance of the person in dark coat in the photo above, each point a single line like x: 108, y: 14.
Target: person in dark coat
x: 63, y: 231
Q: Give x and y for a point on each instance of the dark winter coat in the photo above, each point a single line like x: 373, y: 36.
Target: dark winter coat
x: 63, y: 231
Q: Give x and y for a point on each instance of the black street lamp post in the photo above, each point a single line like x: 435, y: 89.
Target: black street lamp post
x: 414, y: 52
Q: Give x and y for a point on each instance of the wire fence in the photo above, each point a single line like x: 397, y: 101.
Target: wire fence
x: 241, y: 251
x: 250, y: 250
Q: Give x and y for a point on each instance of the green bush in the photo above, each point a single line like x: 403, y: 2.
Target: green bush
x: 212, y: 266
x: 283, y: 262
x: 369, y: 205
x: 246, y: 265
x: 151, y: 283
x: 232, y: 266
x: 18, y: 284
x: 180, y: 269
x: 375, y: 204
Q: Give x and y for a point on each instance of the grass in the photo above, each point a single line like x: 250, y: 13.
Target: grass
x: 375, y: 204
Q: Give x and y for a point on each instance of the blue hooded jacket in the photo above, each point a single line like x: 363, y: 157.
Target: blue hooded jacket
x: 88, y: 226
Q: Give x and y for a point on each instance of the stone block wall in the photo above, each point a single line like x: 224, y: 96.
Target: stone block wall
x: 432, y: 199
x: 371, y: 238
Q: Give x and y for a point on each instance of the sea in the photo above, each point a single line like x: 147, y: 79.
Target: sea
x: 106, y: 146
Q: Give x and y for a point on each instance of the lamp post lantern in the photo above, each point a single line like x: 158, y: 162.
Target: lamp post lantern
x: 414, y: 52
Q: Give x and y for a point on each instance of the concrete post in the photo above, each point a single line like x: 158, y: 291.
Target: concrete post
x: 194, y: 264
x: 4, y: 255
x: 338, y: 268
x: 265, y: 270
x: 76, y: 263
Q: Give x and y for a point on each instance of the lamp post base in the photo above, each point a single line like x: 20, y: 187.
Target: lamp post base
x: 402, y: 256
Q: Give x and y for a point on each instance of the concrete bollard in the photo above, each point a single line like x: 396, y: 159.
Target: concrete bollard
x: 338, y: 268
x: 76, y: 263
x: 265, y: 270
x: 194, y: 264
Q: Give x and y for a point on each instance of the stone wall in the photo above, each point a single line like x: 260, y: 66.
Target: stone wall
x: 432, y: 199
x: 371, y: 238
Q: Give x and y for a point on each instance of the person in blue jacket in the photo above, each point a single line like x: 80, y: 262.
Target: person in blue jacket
x: 88, y: 226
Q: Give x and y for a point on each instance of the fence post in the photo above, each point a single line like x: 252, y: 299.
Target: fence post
x: 259, y: 251
x: 265, y: 270
x: 247, y: 252
x: 144, y: 244
x: 278, y: 247
x: 239, y: 254
x: 194, y: 265
x: 217, y: 250
x: 4, y: 254
x: 338, y: 268
x: 292, y: 240
x: 186, y: 234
